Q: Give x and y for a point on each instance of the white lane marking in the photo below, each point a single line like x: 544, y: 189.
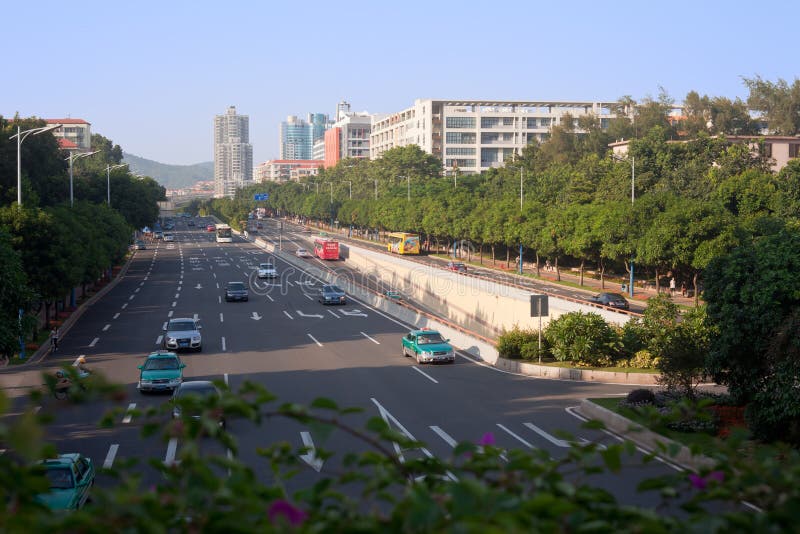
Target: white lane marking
x: 334, y: 314
x: 371, y: 339
x: 137, y: 289
x: 287, y: 315
x: 215, y: 274
x: 170, y: 313
x: 217, y: 285
x: 94, y: 342
x: 164, y: 326
x: 221, y: 319
x: 225, y: 377
x: 145, y: 278
x: 172, y: 447
x: 309, y: 297
x: 177, y: 295
x: 219, y: 299
x: 195, y: 317
x: 124, y: 305
x: 552, y: 439
x: 426, y: 375
x: 270, y: 298
x: 106, y: 327
x: 445, y: 436
x: 131, y: 297
x: 112, y: 453
x: 223, y: 343
x: 515, y: 436
x: 128, y: 414
x: 159, y: 339
x: 115, y: 315
x: 314, y: 340
x: 174, y: 303
x: 289, y: 283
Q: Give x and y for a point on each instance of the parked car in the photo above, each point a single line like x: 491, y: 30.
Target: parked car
x: 457, y: 266
x: 201, y: 390
x: 331, y: 294
x: 161, y: 371
x: 140, y: 245
x: 71, y: 479
x: 267, y: 270
x: 236, y: 291
x: 612, y: 300
x: 183, y: 333
x: 428, y: 346
x: 302, y: 253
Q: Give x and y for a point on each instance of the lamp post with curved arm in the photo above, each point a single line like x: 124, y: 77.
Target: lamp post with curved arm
x: 633, y: 198
x: 110, y: 168
x: 71, y: 158
x: 21, y: 135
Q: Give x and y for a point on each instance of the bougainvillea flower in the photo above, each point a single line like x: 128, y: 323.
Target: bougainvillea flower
x: 282, y: 508
x: 487, y: 439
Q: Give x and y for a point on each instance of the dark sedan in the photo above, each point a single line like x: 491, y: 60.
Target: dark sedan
x: 612, y: 300
x: 331, y: 294
x: 236, y: 291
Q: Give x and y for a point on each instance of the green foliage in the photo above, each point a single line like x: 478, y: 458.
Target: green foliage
x: 15, y: 295
x: 641, y: 397
x: 512, y: 343
x: 682, y: 364
x: 582, y: 338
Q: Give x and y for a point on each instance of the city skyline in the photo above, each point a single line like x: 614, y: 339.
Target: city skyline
x: 159, y: 64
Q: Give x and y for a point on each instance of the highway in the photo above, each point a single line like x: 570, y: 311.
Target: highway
x: 285, y: 340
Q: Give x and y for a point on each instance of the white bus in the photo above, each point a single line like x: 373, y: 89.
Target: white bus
x: 224, y: 233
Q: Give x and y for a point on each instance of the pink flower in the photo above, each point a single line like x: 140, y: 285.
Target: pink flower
x: 717, y: 476
x: 293, y: 515
x: 487, y: 439
x: 697, y: 481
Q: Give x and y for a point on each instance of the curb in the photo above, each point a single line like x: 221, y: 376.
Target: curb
x: 645, y: 438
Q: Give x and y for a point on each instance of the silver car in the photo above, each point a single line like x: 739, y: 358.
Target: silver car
x: 267, y: 270
x: 183, y: 333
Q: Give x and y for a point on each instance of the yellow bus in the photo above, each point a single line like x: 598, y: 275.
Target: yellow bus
x: 403, y: 243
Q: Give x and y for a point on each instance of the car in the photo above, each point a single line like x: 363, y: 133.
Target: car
x: 428, y: 346
x: 161, y: 371
x: 457, y: 266
x: 168, y: 237
x: 331, y: 294
x: 140, y: 245
x: 236, y: 291
x: 158, y: 234
x: 183, y: 333
x: 71, y: 477
x: 210, y: 228
x: 200, y: 390
x: 259, y: 225
x: 612, y: 300
x: 267, y: 270
x: 190, y: 223
x: 302, y: 253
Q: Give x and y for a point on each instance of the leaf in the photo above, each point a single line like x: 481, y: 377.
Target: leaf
x: 324, y: 403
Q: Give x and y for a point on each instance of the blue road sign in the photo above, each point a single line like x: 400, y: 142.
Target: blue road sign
x: 261, y: 196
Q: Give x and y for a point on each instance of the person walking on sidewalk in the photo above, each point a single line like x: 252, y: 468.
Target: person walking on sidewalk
x: 672, y: 287
x: 54, y: 333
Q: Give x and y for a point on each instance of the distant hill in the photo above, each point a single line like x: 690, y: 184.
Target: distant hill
x: 170, y: 176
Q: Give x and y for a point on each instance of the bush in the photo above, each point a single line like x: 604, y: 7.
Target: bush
x: 509, y: 343
x: 640, y: 397
x: 641, y: 360
x: 583, y: 338
x: 530, y: 351
x: 633, y: 338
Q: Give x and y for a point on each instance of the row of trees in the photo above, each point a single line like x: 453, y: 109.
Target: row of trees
x: 47, y: 247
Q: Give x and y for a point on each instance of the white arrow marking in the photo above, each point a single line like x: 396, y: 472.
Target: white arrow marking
x: 311, y: 456
x: 112, y: 453
x: 256, y: 316
x: 198, y: 286
x: 301, y: 314
x: 356, y: 312
x: 94, y: 342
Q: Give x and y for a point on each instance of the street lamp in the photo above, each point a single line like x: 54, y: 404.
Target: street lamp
x: 20, y: 138
x: 633, y: 198
x: 109, y: 168
x: 350, y: 183
x: 71, y: 158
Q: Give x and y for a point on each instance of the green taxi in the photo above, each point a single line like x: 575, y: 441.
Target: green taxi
x: 428, y: 346
x: 161, y: 371
x: 71, y: 477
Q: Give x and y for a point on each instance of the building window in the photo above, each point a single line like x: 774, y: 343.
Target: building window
x: 489, y: 122
x: 508, y: 121
x: 794, y: 150
x: 766, y: 151
x: 460, y: 138
x: 489, y: 138
x: 460, y: 163
x: 460, y: 122
x: 544, y: 123
x: 459, y: 151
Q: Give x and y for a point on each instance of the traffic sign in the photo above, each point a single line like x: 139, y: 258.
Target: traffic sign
x: 261, y: 196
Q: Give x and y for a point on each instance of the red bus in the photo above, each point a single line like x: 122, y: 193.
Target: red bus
x: 326, y: 249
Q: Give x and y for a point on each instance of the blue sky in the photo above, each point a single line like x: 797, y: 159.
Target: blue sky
x: 152, y: 75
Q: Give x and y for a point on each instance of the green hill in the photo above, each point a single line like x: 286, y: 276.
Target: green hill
x: 170, y: 176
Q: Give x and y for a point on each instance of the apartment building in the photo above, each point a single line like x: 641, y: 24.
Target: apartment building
x: 281, y: 170
x: 349, y: 136
x: 74, y: 134
x: 233, y: 153
x: 473, y: 135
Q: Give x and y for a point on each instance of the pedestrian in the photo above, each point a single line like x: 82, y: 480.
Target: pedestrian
x: 54, y: 339
x: 672, y: 287
x: 547, y: 265
x: 683, y: 289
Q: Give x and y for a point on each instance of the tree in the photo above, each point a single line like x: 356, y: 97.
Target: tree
x: 778, y: 101
x: 14, y: 296
x: 683, y: 350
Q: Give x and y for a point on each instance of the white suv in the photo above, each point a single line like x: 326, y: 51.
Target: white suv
x: 183, y: 333
x: 267, y: 270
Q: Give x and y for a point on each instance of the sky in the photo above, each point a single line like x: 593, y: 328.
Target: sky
x: 151, y: 75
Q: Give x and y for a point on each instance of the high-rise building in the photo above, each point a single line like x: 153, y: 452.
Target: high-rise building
x: 297, y: 137
x: 349, y: 135
x: 233, y: 153
x: 473, y: 135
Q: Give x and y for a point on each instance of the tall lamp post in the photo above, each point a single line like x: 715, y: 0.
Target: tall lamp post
x: 110, y: 168
x: 633, y: 198
x: 21, y: 135
x: 350, y: 183
x: 71, y: 158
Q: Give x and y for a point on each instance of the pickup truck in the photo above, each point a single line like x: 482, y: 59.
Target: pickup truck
x: 428, y: 346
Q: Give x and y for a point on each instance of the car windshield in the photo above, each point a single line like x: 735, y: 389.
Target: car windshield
x: 180, y: 326
x: 301, y: 250
x: 332, y: 289
x: 200, y: 393
x: 235, y: 286
x: 427, y: 339
x: 60, y: 478
x: 160, y: 364
x: 266, y: 266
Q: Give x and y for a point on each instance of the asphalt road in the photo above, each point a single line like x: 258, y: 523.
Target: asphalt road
x: 299, y: 349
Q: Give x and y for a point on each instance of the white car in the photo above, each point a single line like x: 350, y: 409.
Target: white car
x: 183, y: 333
x: 267, y: 270
x: 302, y: 253
x: 169, y: 237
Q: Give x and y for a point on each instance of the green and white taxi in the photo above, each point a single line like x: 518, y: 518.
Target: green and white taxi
x: 428, y: 346
x: 71, y: 478
x: 161, y: 371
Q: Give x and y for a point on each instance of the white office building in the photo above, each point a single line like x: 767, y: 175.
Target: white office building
x: 233, y: 153
x: 473, y: 135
